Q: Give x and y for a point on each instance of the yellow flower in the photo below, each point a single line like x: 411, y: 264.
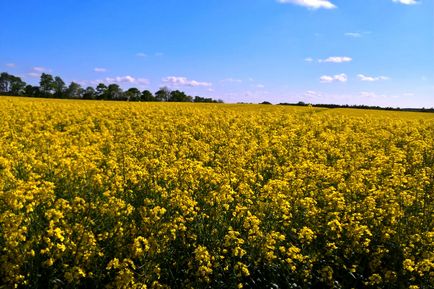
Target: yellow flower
x: 131, y: 195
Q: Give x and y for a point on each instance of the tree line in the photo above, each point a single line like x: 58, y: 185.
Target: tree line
x: 55, y: 87
x: 357, y: 106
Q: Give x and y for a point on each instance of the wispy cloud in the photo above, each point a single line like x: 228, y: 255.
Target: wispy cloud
x: 37, y: 71
x: 232, y: 80
x: 336, y: 59
x: 100, y: 69
x: 145, y: 55
x: 308, y: 59
x: 358, y: 34
x: 260, y: 86
x: 312, y: 4
x: 375, y: 95
x: 371, y: 94
x: 409, y: 94
x: 363, y: 77
x: 184, y: 81
x: 126, y: 79
x: 353, y: 34
x: 334, y: 78
x: 312, y: 94
x: 11, y: 65
x: 406, y: 2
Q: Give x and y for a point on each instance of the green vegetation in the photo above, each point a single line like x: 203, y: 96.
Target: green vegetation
x: 55, y: 87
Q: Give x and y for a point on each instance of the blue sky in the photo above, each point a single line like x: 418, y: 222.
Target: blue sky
x: 375, y: 52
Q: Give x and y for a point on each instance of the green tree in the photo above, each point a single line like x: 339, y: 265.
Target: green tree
x: 74, y: 90
x: 101, y: 91
x: 11, y: 85
x: 147, y: 96
x: 46, y: 85
x: 89, y: 93
x: 59, y: 87
x: 4, y: 83
x: 133, y: 94
x: 163, y: 94
x: 17, y: 85
x: 114, y: 92
x: 203, y: 99
x: 179, y: 96
x: 32, y: 91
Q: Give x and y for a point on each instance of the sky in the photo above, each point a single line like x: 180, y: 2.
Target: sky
x: 373, y: 52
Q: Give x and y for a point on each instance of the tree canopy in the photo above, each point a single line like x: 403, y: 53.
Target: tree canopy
x: 55, y: 87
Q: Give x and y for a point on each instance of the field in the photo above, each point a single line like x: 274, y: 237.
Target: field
x: 166, y: 195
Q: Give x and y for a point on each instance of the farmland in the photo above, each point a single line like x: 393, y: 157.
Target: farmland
x: 169, y: 195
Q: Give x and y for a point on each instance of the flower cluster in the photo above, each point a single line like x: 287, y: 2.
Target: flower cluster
x: 159, y: 195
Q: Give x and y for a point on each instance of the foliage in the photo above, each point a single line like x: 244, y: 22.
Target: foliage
x: 50, y: 87
x: 179, y: 96
x: 163, y: 94
x: 60, y: 87
x: 169, y: 195
x: 46, y: 85
x: 133, y: 94
x: 11, y: 85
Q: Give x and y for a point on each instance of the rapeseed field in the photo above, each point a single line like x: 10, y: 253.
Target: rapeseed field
x: 166, y: 195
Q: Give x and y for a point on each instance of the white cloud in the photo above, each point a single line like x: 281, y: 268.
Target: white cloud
x: 409, y: 94
x: 144, y: 55
x: 341, y: 77
x: 369, y: 94
x: 336, y: 59
x: 260, y: 86
x: 326, y: 79
x: 353, y: 34
x: 91, y: 82
x: 332, y: 78
x: 11, y: 65
x: 308, y: 59
x: 34, y: 74
x: 184, y: 81
x: 100, y: 69
x: 37, y: 71
x: 357, y: 34
x: 312, y: 94
x: 406, y: 2
x: 312, y: 4
x: 363, y: 77
x: 126, y: 79
x: 232, y: 80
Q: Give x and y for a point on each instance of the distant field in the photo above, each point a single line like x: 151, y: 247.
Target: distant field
x: 173, y: 195
x: 404, y: 115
